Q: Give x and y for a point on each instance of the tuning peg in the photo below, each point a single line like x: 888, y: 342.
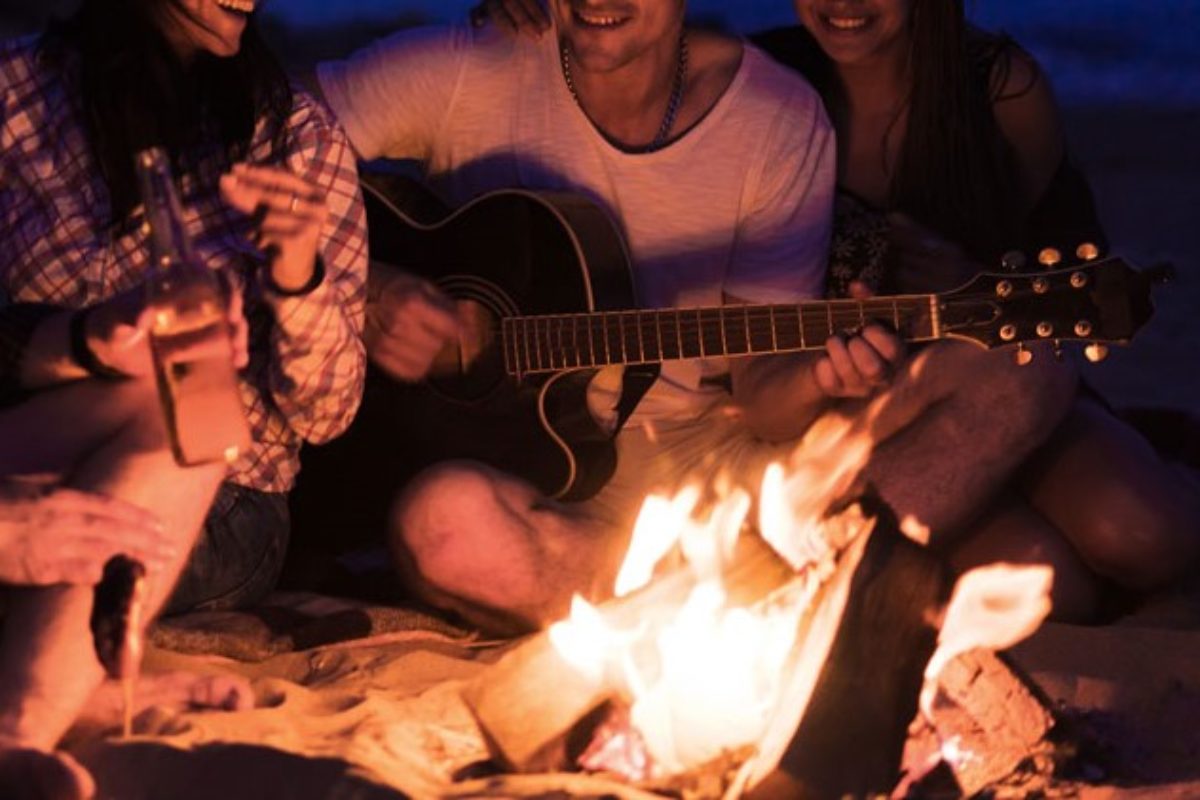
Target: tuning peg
x: 1013, y: 260
x: 1087, y: 252
x: 1096, y: 352
x: 1083, y: 329
x: 1022, y: 356
x: 1049, y: 257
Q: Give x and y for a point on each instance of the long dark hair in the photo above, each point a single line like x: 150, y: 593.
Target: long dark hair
x: 956, y: 173
x: 133, y: 91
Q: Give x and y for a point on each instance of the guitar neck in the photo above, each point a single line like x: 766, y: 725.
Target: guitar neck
x: 551, y: 343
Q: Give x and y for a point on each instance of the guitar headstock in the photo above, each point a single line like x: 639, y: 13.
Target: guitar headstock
x: 1097, y: 301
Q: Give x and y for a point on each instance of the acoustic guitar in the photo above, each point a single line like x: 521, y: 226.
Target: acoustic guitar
x: 546, y: 278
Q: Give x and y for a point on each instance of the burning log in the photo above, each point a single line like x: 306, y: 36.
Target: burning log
x: 985, y: 721
x: 528, y: 703
x: 852, y: 733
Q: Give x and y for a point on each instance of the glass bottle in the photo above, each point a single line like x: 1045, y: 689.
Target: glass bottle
x: 189, y: 336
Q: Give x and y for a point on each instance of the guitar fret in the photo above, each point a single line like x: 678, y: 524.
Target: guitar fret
x: 607, y: 353
x: 829, y: 316
x: 658, y: 333
x: 724, y: 339
x: 678, y: 332
x: 637, y: 316
x: 621, y: 325
x: 774, y: 329
x: 862, y: 315
x: 746, y: 325
x: 896, y: 314
x: 800, y: 327
x: 591, y: 320
x: 700, y: 332
x: 575, y: 341
x: 537, y: 341
x: 562, y: 348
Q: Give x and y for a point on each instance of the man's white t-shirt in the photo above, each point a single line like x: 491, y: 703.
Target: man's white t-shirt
x: 740, y: 205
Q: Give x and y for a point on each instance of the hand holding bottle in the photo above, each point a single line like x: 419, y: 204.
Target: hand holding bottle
x: 117, y: 333
x: 290, y: 212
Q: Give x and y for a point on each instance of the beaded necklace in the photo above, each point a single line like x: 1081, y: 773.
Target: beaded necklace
x: 673, y: 102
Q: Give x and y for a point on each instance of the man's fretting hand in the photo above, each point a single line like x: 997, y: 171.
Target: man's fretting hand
x: 857, y: 365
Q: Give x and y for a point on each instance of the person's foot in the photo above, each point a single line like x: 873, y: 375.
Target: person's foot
x: 34, y: 775
x: 177, y: 691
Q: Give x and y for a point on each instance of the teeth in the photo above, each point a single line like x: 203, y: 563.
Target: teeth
x: 599, y: 20
x: 244, y: 6
x: 847, y: 23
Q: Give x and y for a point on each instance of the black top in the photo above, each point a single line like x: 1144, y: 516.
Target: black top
x: 1063, y: 217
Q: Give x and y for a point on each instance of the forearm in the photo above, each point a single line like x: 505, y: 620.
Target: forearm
x: 778, y: 395
x: 45, y: 358
x: 318, y: 361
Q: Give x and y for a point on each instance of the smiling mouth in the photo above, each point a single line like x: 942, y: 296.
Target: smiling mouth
x: 237, y: 6
x: 845, y: 24
x: 598, y: 19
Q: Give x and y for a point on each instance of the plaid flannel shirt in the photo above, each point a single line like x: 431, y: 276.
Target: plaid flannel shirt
x: 307, y: 361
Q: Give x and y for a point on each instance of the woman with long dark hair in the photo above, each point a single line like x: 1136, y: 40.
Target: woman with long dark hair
x: 270, y: 197
x: 950, y: 154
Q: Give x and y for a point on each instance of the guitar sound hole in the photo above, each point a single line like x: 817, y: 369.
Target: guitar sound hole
x: 473, y: 367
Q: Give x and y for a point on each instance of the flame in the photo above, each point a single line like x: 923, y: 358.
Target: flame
x: 991, y: 608
x: 708, y: 677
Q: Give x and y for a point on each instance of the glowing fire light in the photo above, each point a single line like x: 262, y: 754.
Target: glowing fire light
x: 709, y: 679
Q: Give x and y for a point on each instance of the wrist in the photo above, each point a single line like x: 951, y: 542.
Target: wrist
x: 81, y: 351
x: 289, y: 286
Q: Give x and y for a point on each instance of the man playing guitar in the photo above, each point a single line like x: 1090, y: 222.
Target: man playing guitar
x: 717, y: 167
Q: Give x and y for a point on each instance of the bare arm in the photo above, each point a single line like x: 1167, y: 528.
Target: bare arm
x: 1028, y: 116
x: 781, y: 395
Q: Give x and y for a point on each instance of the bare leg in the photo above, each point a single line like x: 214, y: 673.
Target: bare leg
x: 956, y: 425
x: 1013, y: 532
x: 1133, y: 517
x: 107, y: 439
x: 485, y: 544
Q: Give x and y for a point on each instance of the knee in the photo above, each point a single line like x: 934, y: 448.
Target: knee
x: 1143, y: 544
x: 433, y: 518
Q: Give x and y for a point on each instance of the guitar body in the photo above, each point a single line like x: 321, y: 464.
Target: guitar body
x: 506, y: 254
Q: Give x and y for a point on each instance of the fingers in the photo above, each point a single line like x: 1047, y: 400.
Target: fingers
x: 859, y: 290
x: 408, y: 326
x: 284, y: 203
x: 71, y: 500
x: 856, y: 366
x: 529, y: 17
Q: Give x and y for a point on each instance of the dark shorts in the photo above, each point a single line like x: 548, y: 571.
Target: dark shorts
x: 239, y: 555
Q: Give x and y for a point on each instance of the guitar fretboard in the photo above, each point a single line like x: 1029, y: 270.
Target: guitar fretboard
x: 550, y: 343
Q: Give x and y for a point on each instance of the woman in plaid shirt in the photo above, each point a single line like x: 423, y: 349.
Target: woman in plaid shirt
x: 270, y: 195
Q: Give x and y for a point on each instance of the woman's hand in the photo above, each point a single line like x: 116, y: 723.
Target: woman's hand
x: 290, y: 213
x: 65, y: 536
x: 118, y: 330
x: 526, y: 17
x: 922, y: 261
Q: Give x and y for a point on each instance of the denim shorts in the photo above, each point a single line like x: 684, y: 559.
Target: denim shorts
x: 239, y: 555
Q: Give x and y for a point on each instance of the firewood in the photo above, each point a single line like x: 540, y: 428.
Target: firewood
x: 991, y: 715
x: 529, y: 701
x: 851, y: 737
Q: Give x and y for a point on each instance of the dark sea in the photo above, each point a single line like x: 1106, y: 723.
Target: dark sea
x: 1096, y: 51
